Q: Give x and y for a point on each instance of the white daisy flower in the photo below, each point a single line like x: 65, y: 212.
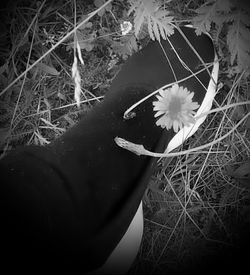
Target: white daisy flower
x: 126, y: 27
x: 176, y: 108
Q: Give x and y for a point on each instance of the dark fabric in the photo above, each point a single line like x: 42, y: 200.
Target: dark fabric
x: 65, y: 207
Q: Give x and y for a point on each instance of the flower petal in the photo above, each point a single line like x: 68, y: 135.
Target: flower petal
x: 176, y: 108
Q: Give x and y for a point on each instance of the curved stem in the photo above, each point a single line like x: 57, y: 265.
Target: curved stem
x: 140, y: 150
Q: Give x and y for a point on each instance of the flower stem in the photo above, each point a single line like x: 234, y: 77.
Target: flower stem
x: 140, y: 150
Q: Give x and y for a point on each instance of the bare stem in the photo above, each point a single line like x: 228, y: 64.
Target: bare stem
x: 140, y: 150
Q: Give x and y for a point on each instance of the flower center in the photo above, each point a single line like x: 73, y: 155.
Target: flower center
x: 174, y: 107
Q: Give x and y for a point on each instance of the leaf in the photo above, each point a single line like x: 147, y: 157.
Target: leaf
x: 238, y: 113
x: 99, y: 3
x: 212, y: 11
x: 86, y: 45
x: 47, y: 69
x: 242, y: 174
x: 69, y: 120
x: 126, y: 46
x: 140, y: 14
x: 150, y: 31
x: 156, y: 18
x: 243, y: 170
x: 87, y: 25
x: 3, y: 68
x: 202, y: 22
x: 233, y: 17
x: 85, y: 42
x: 162, y: 26
x: 61, y: 96
x: 138, y: 21
x: 239, y: 43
